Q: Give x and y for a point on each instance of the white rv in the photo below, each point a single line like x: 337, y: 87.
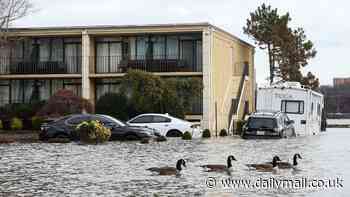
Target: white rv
x: 302, y: 105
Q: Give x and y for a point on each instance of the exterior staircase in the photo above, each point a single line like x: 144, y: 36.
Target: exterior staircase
x: 239, y: 106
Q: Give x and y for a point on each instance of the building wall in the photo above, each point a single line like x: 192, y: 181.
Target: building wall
x: 228, y: 58
x: 341, y: 81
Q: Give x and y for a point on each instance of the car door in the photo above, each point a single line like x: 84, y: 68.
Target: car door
x: 161, y: 124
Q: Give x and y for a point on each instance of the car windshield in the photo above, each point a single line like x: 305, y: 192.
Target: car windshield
x: 257, y: 123
x: 119, y: 122
x: 61, y: 119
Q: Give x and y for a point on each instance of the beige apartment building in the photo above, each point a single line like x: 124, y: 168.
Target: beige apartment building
x: 90, y: 61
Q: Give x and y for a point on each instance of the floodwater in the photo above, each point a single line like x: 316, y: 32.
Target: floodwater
x: 118, y: 168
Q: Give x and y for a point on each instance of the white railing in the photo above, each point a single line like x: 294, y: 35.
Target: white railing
x: 240, y: 105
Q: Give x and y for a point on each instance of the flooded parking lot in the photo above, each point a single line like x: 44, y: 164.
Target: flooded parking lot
x: 118, y: 168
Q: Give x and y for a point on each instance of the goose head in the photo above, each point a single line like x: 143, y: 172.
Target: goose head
x: 180, y: 163
x: 229, y: 160
x: 275, y: 159
x: 295, y: 158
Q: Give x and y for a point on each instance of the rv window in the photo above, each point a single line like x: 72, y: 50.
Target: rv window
x: 292, y: 107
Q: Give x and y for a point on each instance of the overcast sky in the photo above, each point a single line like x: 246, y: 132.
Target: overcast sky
x: 325, y: 22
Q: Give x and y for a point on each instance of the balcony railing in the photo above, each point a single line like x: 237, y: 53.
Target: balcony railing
x: 118, y: 64
x: 70, y: 65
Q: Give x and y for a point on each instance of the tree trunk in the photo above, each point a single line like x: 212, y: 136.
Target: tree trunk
x: 271, y: 62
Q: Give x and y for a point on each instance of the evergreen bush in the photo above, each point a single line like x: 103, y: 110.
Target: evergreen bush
x: 223, y: 133
x: 115, y: 105
x: 206, y: 133
x: 187, y: 136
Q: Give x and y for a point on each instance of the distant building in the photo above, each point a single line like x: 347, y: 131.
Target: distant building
x: 341, y: 81
x: 337, y: 98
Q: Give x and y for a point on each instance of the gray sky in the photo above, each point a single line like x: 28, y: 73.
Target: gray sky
x: 325, y: 22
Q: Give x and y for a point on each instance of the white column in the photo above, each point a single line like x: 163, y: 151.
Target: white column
x: 85, y: 81
x: 208, y: 121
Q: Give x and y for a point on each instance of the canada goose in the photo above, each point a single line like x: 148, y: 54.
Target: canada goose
x: 266, y: 166
x: 169, y: 170
x: 218, y: 167
x: 287, y: 165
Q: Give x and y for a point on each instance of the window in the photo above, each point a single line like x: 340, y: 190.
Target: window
x: 160, y: 119
x: 72, y: 57
x: 172, y: 47
x: 260, y: 123
x: 77, y: 120
x: 108, y: 56
x: 141, y: 47
x: 292, y: 107
x: 142, y: 119
x: 105, y: 86
x: 4, y: 92
x: 318, y: 109
x: 158, y: 47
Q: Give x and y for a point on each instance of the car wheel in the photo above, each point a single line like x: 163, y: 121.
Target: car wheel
x: 281, y: 134
x: 174, y: 133
x: 131, y: 137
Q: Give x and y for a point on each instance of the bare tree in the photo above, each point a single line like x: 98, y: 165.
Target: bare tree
x: 10, y: 11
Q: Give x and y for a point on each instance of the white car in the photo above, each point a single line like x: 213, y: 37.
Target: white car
x: 166, y: 125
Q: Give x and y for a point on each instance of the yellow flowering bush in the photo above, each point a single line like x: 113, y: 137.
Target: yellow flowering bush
x: 16, y: 124
x: 93, y: 132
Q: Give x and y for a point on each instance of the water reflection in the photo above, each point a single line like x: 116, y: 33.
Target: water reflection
x: 118, y: 168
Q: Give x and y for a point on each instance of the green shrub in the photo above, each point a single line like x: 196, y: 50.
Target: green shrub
x: 113, y: 104
x: 36, y: 122
x: 92, y: 132
x: 1, y: 125
x: 148, y: 93
x: 16, y: 124
x: 187, y: 136
x: 223, y: 133
x: 206, y: 133
x: 239, y: 127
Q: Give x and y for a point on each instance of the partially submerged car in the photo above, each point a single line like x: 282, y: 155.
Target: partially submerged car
x: 166, y: 125
x: 65, y: 126
x: 268, y: 124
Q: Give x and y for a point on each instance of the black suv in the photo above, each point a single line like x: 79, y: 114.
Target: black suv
x: 268, y: 124
x: 64, y: 127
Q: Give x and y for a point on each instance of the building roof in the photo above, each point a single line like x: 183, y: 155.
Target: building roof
x: 112, y: 27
